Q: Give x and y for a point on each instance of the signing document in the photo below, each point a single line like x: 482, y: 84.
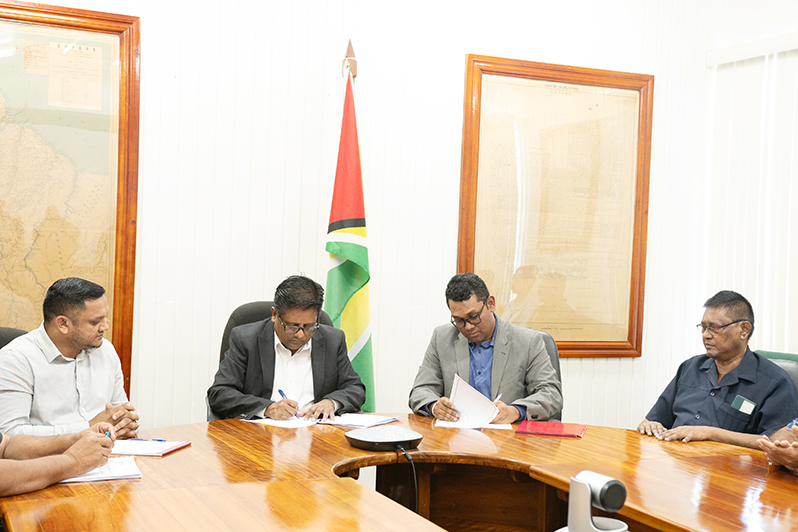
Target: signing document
x: 344, y: 420
x: 476, y: 411
x: 290, y: 423
x: 360, y: 421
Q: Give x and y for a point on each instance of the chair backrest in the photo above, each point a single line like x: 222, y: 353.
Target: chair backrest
x: 9, y: 333
x: 250, y: 313
x: 554, y: 356
x: 787, y: 361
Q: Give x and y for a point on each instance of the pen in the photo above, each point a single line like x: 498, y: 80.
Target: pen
x: 282, y: 394
x: 144, y: 439
x: 497, y: 398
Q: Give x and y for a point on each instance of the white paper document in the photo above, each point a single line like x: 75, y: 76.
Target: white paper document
x: 359, y: 420
x: 290, y: 423
x: 117, y: 468
x: 476, y: 411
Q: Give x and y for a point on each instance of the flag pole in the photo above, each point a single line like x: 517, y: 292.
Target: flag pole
x: 348, y: 302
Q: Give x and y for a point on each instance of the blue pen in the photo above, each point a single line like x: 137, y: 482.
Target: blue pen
x: 282, y: 394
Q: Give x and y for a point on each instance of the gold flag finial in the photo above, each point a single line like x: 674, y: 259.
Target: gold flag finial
x: 350, y: 61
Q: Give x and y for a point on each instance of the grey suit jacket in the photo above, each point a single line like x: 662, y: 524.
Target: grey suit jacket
x: 521, y: 370
x: 242, y: 388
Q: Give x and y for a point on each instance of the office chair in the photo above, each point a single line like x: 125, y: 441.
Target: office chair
x: 787, y: 361
x: 9, y: 333
x: 554, y: 356
x: 250, y: 313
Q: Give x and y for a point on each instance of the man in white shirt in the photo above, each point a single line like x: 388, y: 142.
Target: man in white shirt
x: 64, y: 376
x: 288, y: 364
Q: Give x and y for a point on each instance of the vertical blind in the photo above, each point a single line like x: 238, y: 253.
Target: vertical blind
x: 750, y: 197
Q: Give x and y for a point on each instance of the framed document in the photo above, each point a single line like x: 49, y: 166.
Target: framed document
x: 554, y: 199
x: 69, y: 120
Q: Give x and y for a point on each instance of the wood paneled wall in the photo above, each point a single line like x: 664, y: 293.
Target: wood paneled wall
x: 240, y: 121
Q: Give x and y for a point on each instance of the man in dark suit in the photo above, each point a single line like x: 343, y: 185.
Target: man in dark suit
x: 288, y: 364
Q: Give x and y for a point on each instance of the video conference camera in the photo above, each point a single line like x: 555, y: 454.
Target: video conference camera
x: 593, y: 489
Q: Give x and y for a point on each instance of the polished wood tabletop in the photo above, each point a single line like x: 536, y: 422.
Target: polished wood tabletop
x: 242, y: 476
x: 339, y: 504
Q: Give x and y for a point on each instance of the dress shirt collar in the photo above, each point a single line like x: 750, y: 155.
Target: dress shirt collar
x: 278, y: 345
x: 48, y: 348
x: 745, y: 370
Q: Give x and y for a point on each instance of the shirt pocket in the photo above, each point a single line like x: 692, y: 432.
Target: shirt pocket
x: 732, y: 419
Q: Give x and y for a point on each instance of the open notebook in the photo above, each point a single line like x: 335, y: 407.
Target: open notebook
x: 116, y: 468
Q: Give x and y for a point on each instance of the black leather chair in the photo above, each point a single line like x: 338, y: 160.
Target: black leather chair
x: 9, y: 333
x: 787, y: 361
x: 250, y: 313
x: 554, y: 356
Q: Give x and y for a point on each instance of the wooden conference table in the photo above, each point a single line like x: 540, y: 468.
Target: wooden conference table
x: 244, y: 476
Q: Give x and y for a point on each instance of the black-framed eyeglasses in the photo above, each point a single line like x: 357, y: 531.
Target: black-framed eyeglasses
x: 293, y: 329
x: 715, y: 329
x: 473, y: 320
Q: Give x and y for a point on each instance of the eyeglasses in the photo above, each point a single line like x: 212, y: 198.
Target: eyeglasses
x: 474, y: 320
x: 715, y: 329
x: 308, y: 330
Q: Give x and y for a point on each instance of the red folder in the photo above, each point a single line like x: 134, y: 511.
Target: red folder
x: 551, y: 428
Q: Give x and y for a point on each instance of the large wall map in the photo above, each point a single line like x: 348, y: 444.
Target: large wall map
x: 58, y: 157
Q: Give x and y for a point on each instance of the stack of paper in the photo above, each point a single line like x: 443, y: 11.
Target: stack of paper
x: 476, y: 411
x: 116, y: 468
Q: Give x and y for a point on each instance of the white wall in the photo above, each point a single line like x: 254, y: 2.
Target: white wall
x: 240, y: 120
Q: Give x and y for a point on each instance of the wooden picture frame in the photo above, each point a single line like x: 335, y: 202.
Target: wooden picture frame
x: 60, y: 25
x: 555, y: 171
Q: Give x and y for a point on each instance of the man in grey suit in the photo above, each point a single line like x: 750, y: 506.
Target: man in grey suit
x: 288, y: 364
x: 498, y: 357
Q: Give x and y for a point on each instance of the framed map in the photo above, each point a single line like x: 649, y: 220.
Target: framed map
x: 69, y: 114
x: 554, y: 199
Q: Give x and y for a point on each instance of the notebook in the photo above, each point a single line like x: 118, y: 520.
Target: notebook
x: 551, y: 428
x: 121, y: 467
x: 147, y: 447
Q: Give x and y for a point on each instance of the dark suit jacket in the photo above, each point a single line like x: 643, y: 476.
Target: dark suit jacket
x: 243, y: 385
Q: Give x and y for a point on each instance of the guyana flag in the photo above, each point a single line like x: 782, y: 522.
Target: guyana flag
x: 347, y: 300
